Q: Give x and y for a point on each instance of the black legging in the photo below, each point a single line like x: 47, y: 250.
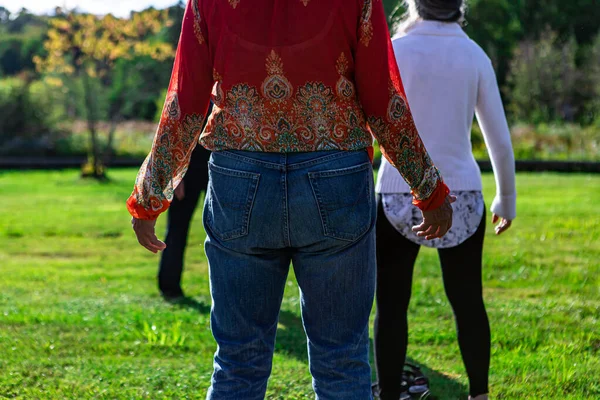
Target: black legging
x: 461, y: 269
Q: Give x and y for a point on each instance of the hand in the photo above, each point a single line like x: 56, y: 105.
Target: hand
x: 180, y: 191
x: 502, y: 226
x: 144, y: 230
x: 436, y: 222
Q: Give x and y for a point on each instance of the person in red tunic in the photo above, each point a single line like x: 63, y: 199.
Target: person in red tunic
x: 299, y: 87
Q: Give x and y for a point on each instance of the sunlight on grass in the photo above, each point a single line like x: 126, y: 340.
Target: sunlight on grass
x: 81, y: 318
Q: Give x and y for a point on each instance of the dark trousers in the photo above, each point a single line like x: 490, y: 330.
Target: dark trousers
x: 178, y: 223
x: 461, y: 269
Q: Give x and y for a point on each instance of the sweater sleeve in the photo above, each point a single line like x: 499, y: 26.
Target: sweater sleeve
x: 181, y: 122
x: 491, y: 118
x: 383, y: 99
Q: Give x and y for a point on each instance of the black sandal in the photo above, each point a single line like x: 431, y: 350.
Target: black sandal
x: 419, y: 383
x: 404, y: 384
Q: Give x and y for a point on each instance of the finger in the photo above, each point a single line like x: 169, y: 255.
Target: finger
x: 160, y: 245
x: 149, y: 240
x: 152, y: 242
x: 429, y: 232
x: 451, y: 199
x: 503, y: 227
x: 436, y: 234
x: 144, y: 244
x: 420, y: 227
x: 445, y: 229
x: 494, y: 218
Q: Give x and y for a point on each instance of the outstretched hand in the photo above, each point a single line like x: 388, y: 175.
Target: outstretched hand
x: 436, y: 222
x: 144, y: 230
x: 502, y: 226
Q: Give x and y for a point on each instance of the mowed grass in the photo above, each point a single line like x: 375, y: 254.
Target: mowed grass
x: 80, y: 316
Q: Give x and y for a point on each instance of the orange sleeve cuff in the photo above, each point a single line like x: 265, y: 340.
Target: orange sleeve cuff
x: 139, y: 212
x: 435, y: 200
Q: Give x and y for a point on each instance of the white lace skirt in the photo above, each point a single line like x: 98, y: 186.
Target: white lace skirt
x: 468, y: 211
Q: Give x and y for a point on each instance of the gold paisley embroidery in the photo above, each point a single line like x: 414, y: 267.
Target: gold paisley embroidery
x: 274, y: 64
x: 396, y: 108
x: 366, y: 25
x: 165, y: 166
x: 234, y: 3
x: 217, y: 95
x: 172, y: 110
x: 313, y: 118
x: 276, y: 87
x: 342, y: 64
x: 197, y: 20
x: 344, y: 87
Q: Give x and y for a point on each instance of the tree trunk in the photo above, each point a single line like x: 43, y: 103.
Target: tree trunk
x: 108, y: 152
x: 96, y: 168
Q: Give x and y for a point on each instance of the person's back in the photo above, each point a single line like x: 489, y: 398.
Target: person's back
x: 294, y: 83
x: 286, y: 75
x: 447, y: 78
x: 445, y: 65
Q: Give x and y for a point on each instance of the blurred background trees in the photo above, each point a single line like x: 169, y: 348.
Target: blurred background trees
x: 75, y: 84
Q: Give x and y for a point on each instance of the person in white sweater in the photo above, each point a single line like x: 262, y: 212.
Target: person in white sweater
x: 448, y: 79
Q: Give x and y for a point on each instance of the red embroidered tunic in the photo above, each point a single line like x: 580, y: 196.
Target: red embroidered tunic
x: 285, y: 76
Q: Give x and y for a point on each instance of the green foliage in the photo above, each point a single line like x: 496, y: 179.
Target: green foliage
x: 78, y: 291
x: 592, y: 81
x: 28, y: 117
x: 21, y: 39
x: 545, y: 80
x: 89, y: 47
x: 547, y: 142
x: 394, y: 10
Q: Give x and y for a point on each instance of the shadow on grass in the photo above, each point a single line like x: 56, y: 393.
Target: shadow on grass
x: 193, y: 304
x: 441, y: 385
x: 291, y: 341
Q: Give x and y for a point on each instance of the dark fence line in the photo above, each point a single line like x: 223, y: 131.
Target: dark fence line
x: 23, y: 163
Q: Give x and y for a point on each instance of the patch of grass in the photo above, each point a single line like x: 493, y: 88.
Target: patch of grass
x: 80, y: 317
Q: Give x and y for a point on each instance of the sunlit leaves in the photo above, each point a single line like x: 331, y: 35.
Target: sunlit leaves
x: 78, y: 40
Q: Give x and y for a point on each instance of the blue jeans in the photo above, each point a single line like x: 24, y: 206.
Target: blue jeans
x: 317, y: 211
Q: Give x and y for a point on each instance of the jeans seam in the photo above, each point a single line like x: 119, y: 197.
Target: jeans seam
x: 286, y: 225
x: 323, y: 159
x: 303, y: 164
x: 250, y: 160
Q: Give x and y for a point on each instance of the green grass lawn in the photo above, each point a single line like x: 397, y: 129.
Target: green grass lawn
x: 80, y: 316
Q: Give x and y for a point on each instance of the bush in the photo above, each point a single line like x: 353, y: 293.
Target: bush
x: 547, y: 142
x: 29, y: 113
x: 592, y: 82
x: 545, y: 81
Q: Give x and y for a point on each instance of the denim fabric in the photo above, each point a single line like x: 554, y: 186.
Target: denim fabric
x: 317, y: 211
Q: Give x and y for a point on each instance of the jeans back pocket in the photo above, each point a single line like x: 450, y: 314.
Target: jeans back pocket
x: 345, y: 200
x: 230, y: 198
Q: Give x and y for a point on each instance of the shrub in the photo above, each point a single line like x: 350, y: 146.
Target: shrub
x: 544, y: 80
x: 29, y: 112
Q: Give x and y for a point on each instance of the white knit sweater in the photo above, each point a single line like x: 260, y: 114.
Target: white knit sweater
x: 448, y: 78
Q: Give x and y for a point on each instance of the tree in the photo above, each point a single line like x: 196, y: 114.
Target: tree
x: 394, y: 10
x: 545, y: 80
x: 87, y: 47
x: 592, y: 81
